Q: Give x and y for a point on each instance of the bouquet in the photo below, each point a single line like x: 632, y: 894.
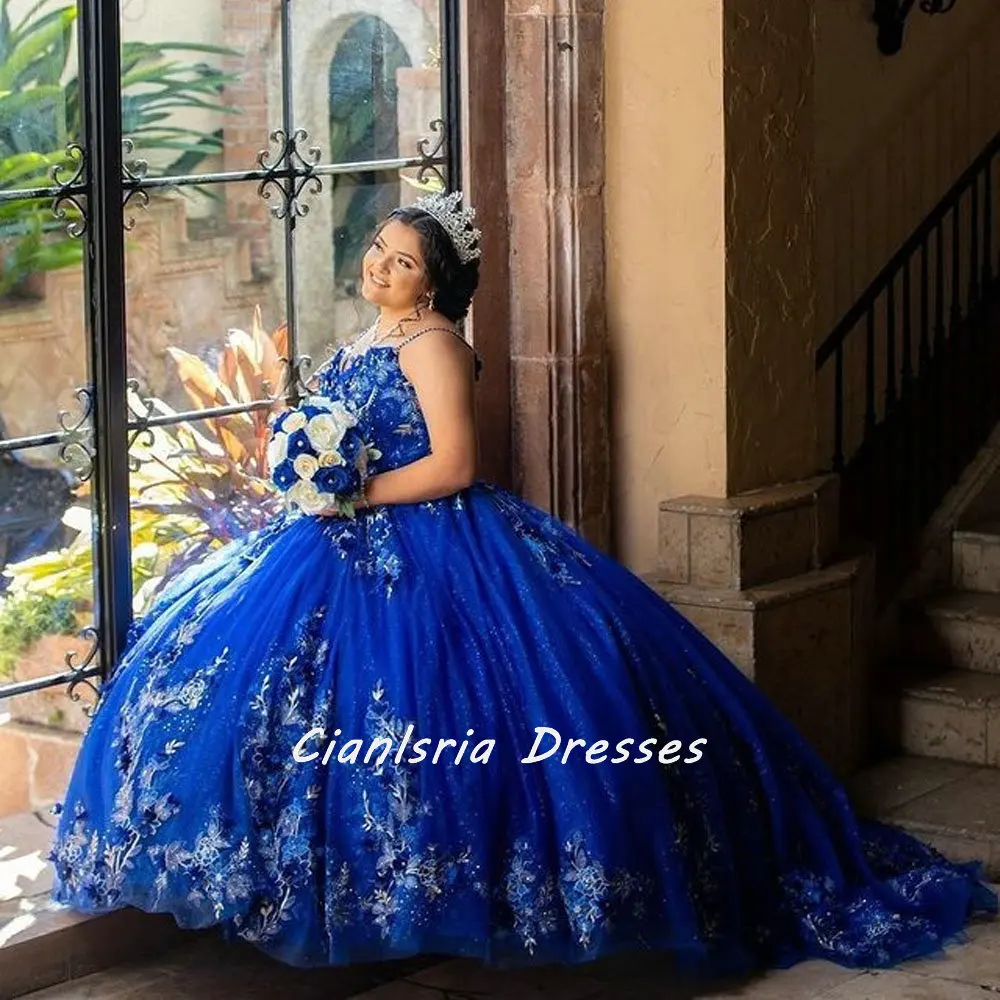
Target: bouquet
x: 317, y: 456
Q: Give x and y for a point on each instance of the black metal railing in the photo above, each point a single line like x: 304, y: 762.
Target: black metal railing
x: 914, y: 371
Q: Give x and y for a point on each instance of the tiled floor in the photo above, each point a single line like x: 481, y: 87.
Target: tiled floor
x: 207, y: 968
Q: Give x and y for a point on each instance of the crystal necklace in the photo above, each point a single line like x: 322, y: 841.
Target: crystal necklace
x: 360, y: 345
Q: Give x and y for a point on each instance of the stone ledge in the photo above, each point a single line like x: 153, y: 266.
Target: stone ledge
x: 804, y: 641
x: 740, y: 542
x: 763, y: 596
x: 955, y: 716
x: 975, y: 558
x: 61, y: 945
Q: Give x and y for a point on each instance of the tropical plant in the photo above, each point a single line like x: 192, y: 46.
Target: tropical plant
x: 198, y: 483
x: 26, y: 618
x: 40, y: 113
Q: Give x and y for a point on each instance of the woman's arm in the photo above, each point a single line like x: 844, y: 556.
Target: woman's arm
x: 441, y: 369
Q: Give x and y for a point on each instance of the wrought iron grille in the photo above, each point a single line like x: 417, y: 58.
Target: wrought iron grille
x: 98, y: 190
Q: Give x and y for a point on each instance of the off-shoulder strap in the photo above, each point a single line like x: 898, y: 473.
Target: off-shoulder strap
x: 446, y: 329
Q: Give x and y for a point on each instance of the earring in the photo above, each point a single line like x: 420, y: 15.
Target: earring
x: 429, y: 298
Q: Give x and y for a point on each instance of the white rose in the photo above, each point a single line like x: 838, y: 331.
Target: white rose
x: 277, y: 449
x: 323, y: 432
x: 295, y: 421
x: 327, y: 459
x: 305, y: 466
x: 307, y: 497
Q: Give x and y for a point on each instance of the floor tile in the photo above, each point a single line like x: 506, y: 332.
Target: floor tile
x: 897, y: 985
x: 976, y: 962
x: 895, y: 782
x: 462, y: 976
x: 211, y: 968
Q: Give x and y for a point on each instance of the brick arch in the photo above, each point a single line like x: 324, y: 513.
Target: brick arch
x: 312, y: 61
x: 314, y: 46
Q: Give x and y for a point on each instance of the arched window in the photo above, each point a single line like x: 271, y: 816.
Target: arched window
x: 364, y: 125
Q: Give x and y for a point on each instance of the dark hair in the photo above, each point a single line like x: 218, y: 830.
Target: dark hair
x: 452, y: 282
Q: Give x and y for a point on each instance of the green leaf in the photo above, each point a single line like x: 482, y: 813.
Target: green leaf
x: 32, y: 48
x: 54, y: 256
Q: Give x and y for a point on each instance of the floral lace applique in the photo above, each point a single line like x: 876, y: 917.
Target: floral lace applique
x: 369, y: 542
x: 407, y: 874
x: 545, y: 537
x: 374, y: 386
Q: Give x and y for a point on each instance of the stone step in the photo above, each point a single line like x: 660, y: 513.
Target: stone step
x: 951, y: 806
x: 959, y: 630
x: 975, y: 561
x: 954, y: 715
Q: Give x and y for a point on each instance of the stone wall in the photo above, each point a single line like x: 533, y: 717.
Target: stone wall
x: 180, y: 292
x: 40, y: 732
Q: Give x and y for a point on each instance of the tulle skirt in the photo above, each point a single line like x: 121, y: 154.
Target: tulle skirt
x: 456, y: 728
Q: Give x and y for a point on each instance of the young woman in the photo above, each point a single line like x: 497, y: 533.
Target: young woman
x: 449, y: 725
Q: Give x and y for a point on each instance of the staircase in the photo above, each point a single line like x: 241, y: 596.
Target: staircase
x: 943, y: 719
x: 913, y: 369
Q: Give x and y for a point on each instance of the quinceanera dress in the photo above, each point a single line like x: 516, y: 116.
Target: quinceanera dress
x: 472, y: 618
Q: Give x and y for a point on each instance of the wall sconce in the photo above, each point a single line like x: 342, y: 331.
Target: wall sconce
x: 890, y: 17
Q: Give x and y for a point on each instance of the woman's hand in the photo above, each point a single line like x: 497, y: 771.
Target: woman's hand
x: 360, y: 501
x: 330, y: 512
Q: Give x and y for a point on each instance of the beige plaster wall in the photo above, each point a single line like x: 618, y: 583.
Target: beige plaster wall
x: 665, y: 239
x: 709, y: 154
x: 748, y: 208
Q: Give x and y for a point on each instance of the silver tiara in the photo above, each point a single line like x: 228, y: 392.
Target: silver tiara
x: 457, y: 222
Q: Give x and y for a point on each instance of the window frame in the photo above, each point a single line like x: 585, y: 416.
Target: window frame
x: 108, y: 190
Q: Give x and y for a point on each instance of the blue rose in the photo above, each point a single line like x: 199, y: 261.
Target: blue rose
x: 284, y: 475
x: 337, y: 479
x: 351, y: 446
x: 298, y: 444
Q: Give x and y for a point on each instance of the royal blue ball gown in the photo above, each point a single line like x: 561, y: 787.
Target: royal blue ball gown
x: 254, y: 761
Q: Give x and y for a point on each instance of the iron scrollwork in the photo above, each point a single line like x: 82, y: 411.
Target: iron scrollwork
x: 429, y: 157
x: 291, y: 174
x: 71, y: 190
x: 132, y: 178
x: 81, y: 673
x: 77, y: 448
x: 890, y: 18
x: 141, y: 428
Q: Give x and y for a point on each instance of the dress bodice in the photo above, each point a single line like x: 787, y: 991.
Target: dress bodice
x: 375, y: 388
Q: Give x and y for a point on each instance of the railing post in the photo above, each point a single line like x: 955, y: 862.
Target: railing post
x: 100, y: 45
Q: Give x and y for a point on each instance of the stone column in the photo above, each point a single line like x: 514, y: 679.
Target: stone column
x: 710, y: 254
x: 710, y: 207
x: 768, y: 68
x: 555, y: 176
